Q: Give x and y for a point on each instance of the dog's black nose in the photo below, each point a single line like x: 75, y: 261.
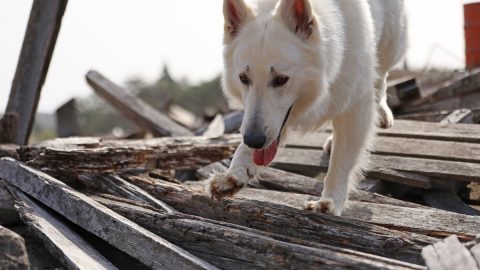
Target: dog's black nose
x: 255, y: 140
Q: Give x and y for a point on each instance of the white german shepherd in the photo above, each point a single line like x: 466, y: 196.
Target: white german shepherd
x: 295, y: 64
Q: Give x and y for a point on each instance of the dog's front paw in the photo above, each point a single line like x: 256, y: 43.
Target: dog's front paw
x: 327, y: 146
x: 224, y: 184
x: 324, y: 205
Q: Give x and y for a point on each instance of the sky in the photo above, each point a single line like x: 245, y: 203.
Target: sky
x: 126, y: 39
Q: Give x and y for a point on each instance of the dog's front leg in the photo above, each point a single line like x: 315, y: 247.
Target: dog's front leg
x: 241, y: 170
x: 352, y: 132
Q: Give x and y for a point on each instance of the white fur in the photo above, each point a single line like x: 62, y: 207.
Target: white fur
x: 334, y: 66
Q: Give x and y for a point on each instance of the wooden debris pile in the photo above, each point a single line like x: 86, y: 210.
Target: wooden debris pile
x: 100, y: 203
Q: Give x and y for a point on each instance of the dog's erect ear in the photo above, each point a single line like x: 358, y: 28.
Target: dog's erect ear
x: 236, y: 13
x: 298, y: 15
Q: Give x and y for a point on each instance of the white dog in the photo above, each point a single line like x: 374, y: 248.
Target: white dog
x: 295, y: 64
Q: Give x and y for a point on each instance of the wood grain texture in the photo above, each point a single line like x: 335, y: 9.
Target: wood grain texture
x: 274, y: 179
x: 139, y: 112
x: 8, y: 128
x: 193, y: 199
x: 449, y: 254
x: 37, y: 49
x: 310, y: 162
x: 282, y: 213
x: 94, y: 155
x: 231, y: 246
x: 66, y: 245
x: 155, y: 252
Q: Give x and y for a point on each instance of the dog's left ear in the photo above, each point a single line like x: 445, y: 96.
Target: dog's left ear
x: 236, y: 14
x: 298, y: 16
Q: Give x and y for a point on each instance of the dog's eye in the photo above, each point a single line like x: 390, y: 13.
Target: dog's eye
x: 244, y: 79
x: 280, y: 81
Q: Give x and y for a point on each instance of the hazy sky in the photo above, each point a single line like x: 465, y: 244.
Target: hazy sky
x: 126, y: 38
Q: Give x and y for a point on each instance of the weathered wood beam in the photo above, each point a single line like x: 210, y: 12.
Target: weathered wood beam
x: 402, y: 147
x: 67, y: 120
x: 276, y: 214
x: 236, y: 247
x: 449, y: 254
x: 433, y: 131
x: 470, y: 101
x: 61, y: 241
x: 37, y: 49
x: 8, y: 128
x: 94, y: 155
x: 310, y: 162
x: 464, y: 116
x: 193, y: 199
x: 139, y: 112
x: 150, y: 249
x: 274, y: 179
x: 462, y: 86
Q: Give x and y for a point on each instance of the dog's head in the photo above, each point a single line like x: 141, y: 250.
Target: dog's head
x: 272, y: 67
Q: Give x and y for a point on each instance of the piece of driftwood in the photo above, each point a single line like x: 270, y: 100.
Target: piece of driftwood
x: 37, y: 49
x: 449, y: 254
x: 310, y: 162
x: 435, y: 117
x: 193, y: 199
x: 94, y: 155
x: 235, y: 247
x: 139, y: 112
x: 274, y: 179
x: 275, y: 213
x: 152, y: 250
x: 67, y: 120
x: 66, y: 245
x: 8, y: 128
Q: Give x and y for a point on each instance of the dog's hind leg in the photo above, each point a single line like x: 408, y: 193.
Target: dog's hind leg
x: 352, y: 133
x: 385, y: 115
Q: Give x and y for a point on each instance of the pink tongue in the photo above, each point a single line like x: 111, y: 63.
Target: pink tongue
x: 263, y: 157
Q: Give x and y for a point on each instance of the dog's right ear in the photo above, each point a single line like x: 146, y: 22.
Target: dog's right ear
x: 236, y: 14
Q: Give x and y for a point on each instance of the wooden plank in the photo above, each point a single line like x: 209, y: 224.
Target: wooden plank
x: 8, y: 128
x: 67, y: 120
x: 433, y: 131
x: 94, y: 155
x: 274, y: 179
x: 61, y: 241
x: 152, y: 250
x: 282, y: 213
x: 459, y: 116
x: 449, y: 254
x: 311, y: 161
x: 403, y: 147
x: 139, y: 112
x: 236, y: 247
x: 465, y: 85
x: 470, y: 101
x: 37, y: 49
x: 193, y: 199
